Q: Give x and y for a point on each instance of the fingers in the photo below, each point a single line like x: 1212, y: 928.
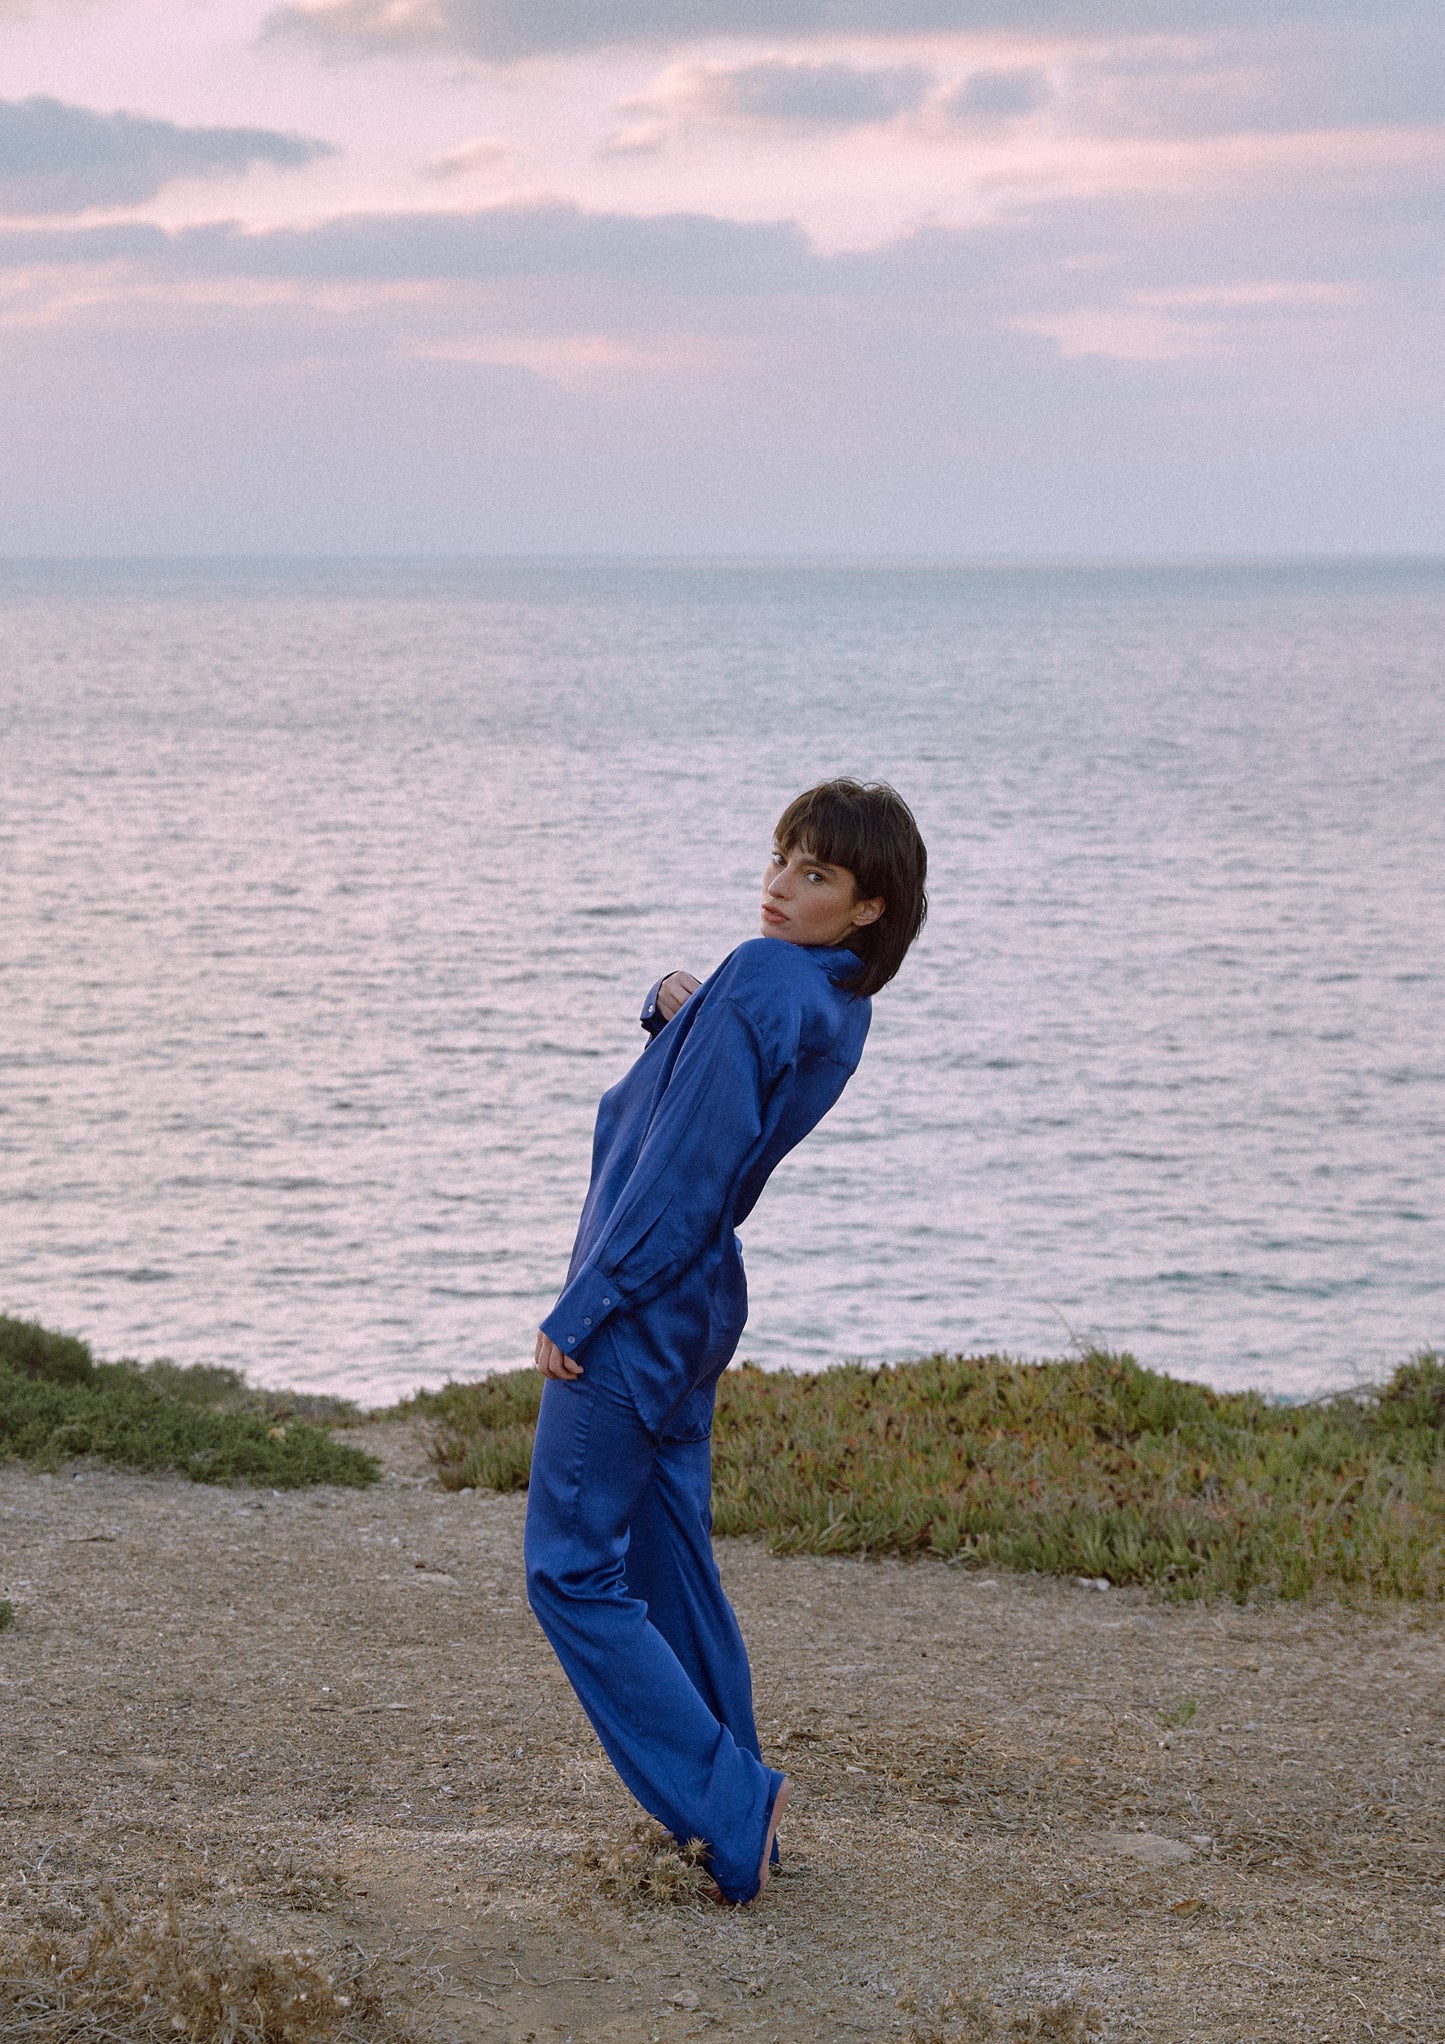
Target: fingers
x: 675, y: 989
x: 551, y: 1361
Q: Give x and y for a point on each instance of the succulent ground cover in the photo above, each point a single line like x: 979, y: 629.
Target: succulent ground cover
x: 1091, y: 1467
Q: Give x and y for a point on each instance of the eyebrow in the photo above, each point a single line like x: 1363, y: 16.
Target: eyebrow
x: 808, y: 858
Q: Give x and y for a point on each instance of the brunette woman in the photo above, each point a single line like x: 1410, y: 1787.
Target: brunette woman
x: 620, y: 1567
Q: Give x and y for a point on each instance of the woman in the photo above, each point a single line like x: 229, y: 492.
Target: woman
x: 620, y: 1568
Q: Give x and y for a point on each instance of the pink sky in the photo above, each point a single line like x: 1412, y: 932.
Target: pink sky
x: 442, y: 274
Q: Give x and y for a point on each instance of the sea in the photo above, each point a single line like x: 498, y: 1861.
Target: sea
x: 330, y: 892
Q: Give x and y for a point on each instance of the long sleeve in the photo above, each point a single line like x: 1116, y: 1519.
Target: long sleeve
x: 651, y: 1018
x: 707, y: 1124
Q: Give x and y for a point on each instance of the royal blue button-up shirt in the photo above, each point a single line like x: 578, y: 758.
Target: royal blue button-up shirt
x: 684, y: 1144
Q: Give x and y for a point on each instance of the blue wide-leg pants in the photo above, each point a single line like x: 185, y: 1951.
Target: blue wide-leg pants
x: 622, y: 1578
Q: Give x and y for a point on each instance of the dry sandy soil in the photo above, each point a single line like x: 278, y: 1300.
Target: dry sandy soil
x: 328, y: 1718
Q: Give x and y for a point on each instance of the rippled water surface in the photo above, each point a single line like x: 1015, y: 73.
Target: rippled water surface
x: 330, y: 895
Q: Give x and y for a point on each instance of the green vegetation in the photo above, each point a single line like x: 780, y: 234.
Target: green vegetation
x: 484, y: 1436
x: 7, y: 1614
x: 56, y: 1402
x: 1094, y: 1467
x: 33, y: 1351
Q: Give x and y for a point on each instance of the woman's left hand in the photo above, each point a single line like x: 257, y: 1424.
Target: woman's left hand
x: 675, y: 989
x: 551, y: 1361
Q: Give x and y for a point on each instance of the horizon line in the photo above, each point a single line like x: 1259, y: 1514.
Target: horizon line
x: 861, y: 558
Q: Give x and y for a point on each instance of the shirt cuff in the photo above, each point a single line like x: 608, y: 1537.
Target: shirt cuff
x: 581, y: 1310
x: 651, y: 1018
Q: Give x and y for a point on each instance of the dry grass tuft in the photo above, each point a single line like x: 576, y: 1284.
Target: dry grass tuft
x: 295, y: 1886
x: 647, y: 1869
x: 164, y: 1980
x: 1063, y: 2022
x: 977, y: 2020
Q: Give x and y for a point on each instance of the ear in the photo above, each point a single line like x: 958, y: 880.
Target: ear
x: 865, y: 912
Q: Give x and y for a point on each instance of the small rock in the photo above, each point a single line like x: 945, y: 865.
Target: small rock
x: 1093, y: 1582
x: 687, y: 2000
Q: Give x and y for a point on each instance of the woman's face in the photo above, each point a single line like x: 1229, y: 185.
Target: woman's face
x: 806, y: 901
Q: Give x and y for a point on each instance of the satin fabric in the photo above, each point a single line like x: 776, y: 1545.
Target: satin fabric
x: 620, y: 1569
x: 621, y: 1575
x: 684, y: 1144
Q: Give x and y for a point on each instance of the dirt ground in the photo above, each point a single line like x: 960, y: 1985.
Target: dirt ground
x: 329, y: 1718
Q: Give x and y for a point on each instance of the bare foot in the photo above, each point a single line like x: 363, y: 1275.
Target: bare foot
x: 780, y: 1803
x: 711, y: 1889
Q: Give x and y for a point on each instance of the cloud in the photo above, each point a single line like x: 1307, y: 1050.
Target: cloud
x: 1169, y: 326
x: 1285, y: 295
x: 794, y: 93
x: 56, y: 158
x: 985, y: 99
x: 1170, y: 255
x: 565, y: 358
x: 507, y: 31
x: 776, y: 93
x: 1387, y: 74
x: 645, y: 138
x: 468, y: 157
x: 543, y: 238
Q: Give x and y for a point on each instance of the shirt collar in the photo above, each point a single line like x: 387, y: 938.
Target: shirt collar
x: 836, y: 960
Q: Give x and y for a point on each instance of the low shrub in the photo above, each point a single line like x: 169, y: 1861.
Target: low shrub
x: 34, y: 1351
x: 163, y: 1417
x: 224, y: 1390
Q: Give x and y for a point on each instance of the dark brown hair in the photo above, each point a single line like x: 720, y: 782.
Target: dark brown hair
x: 869, y: 829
